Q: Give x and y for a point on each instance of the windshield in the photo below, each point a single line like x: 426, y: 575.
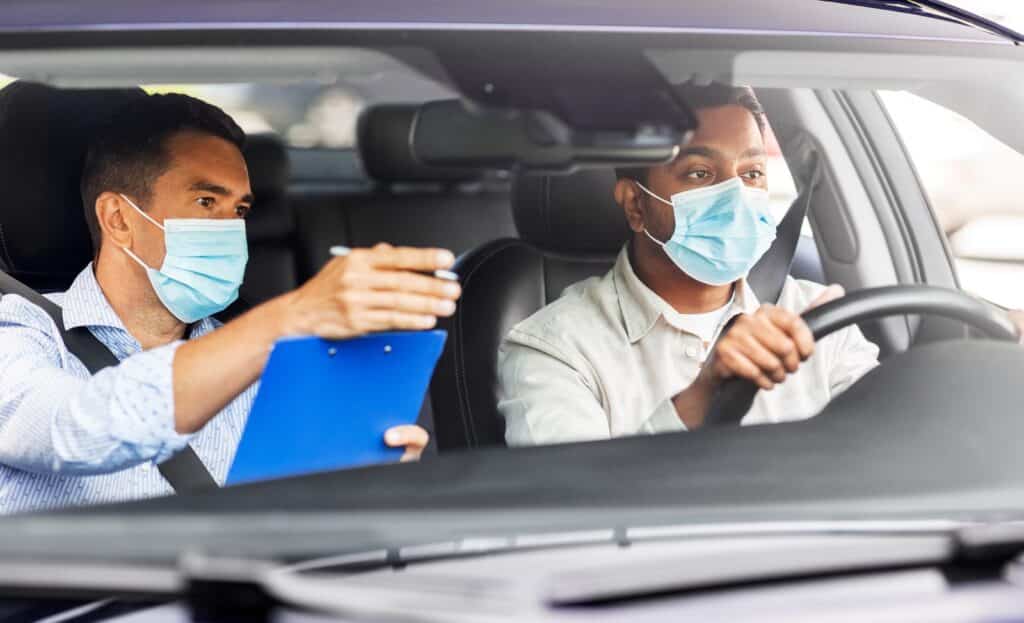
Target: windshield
x: 402, y: 298
x: 1009, y: 14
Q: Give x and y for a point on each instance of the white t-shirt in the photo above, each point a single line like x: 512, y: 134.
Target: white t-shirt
x: 705, y: 325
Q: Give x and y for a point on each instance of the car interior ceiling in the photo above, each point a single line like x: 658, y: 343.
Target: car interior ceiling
x: 521, y: 241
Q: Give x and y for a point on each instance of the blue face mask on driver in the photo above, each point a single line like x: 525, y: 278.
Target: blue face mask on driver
x: 720, y: 232
x: 203, y: 267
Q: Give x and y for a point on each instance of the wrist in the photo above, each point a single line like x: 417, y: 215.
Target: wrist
x: 281, y: 317
x: 692, y: 403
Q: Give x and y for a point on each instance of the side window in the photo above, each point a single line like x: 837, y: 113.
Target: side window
x: 306, y: 114
x: 972, y: 183
x: 781, y: 187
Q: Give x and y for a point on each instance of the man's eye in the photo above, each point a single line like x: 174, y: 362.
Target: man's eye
x: 754, y: 175
x: 700, y: 174
x: 242, y: 211
x: 206, y: 202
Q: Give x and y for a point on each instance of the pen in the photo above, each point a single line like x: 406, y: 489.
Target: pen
x: 447, y: 275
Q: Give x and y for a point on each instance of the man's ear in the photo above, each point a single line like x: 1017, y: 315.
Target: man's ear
x: 628, y: 196
x: 110, y: 211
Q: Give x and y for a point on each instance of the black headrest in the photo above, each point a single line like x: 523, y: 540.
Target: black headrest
x: 572, y: 214
x: 266, y: 157
x: 44, y: 135
x: 385, y: 145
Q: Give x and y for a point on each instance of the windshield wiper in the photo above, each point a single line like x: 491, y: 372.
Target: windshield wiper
x: 940, y: 10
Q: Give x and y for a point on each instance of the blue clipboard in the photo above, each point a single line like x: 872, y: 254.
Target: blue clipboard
x: 325, y: 404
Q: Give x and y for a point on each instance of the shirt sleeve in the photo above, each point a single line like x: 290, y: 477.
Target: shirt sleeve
x: 852, y: 356
x: 55, y: 421
x: 546, y: 399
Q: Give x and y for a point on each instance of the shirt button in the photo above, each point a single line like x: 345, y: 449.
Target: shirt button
x: 147, y: 466
x: 692, y: 352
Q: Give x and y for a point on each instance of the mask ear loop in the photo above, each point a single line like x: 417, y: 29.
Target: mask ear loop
x: 649, y: 192
x: 139, y: 210
x: 148, y: 218
x: 661, y: 199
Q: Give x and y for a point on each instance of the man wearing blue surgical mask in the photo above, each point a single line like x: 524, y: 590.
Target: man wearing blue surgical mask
x: 166, y: 190
x: 635, y: 351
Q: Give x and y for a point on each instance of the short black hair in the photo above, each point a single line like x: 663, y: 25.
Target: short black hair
x: 130, y: 152
x: 711, y: 95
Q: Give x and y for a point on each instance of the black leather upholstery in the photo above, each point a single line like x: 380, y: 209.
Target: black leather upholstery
x: 416, y: 205
x: 571, y: 213
x: 458, y: 221
x: 44, y: 135
x: 270, y: 226
x: 570, y: 229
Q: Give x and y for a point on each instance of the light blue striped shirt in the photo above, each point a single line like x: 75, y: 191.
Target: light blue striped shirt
x: 68, y: 438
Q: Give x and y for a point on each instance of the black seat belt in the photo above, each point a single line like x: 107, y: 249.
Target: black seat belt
x: 184, y: 471
x: 768, y: 276
x: 766, y: 279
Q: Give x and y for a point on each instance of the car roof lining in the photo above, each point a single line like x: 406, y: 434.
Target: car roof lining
x: 326, y: 65
x: 794, y: 16
x: 946, y: 73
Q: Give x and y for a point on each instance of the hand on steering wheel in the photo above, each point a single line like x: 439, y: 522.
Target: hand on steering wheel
x: 735, y: 395
x: 764, y: 347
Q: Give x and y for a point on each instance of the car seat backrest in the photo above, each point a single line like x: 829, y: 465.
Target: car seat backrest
x: 418, y: 205
x: 270, y: 226
x: 570, y: 228
x: 44, y: 135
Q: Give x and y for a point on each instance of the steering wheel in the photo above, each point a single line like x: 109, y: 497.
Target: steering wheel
x: 734, y: 397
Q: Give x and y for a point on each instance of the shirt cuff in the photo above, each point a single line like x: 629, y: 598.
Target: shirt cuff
x: 140, y: 398
x: 665, y: 419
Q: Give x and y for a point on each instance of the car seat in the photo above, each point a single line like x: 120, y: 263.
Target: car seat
x: 270, y: 227
x: 44, y: 135
x: 570, y: 228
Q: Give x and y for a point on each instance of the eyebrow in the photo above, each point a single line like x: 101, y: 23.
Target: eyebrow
x: 698, y: 150
x: 707, y: 152
x: 217, y: 189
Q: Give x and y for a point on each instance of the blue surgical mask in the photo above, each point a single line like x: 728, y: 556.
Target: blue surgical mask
x: 721, y: 231
x: 203, y: 267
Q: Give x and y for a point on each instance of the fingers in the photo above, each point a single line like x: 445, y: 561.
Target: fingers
x: 406, y: 282
x: 793, y: 326
x: 778, y: 342
x: 413, y: 438
x: 731, y: 361
x: 404, y: 258
x: 354, y: 295
x: 766, y: 360
x: 402, y: 302
x: 764, y: 347
x: 387, y: 320
x: 355, y: 274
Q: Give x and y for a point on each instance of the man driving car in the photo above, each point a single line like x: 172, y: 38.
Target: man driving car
x: 165, y: 190
x: 635, y: 351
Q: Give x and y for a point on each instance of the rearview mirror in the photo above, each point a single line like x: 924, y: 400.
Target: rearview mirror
x: 454, y: 133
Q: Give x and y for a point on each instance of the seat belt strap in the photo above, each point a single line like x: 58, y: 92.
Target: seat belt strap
x: 185, y: 470
x: 766, y: 279
x: 768, y: 276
